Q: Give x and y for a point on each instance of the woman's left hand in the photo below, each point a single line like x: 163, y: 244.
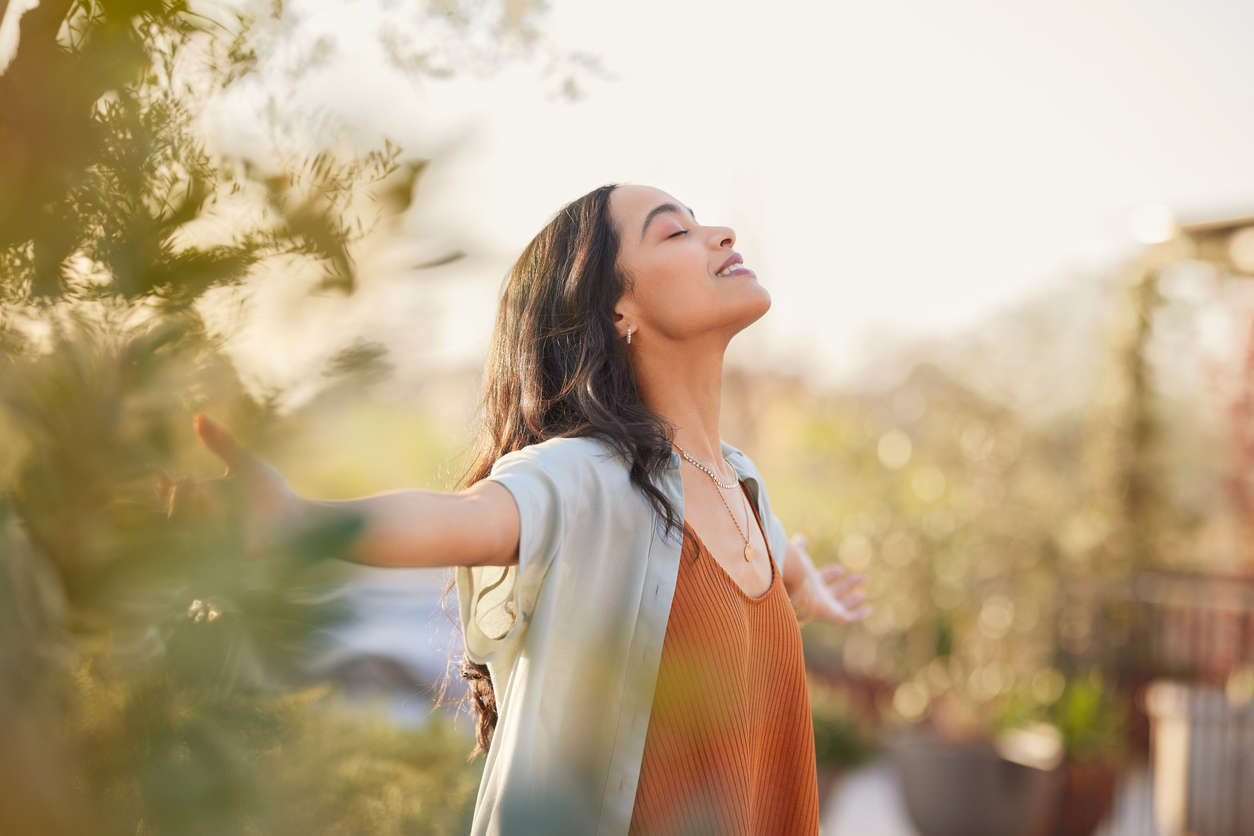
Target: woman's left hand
x: 830, y: 593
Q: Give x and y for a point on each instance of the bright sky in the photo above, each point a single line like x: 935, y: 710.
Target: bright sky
x: 896, y: 167
x: 891, y: 169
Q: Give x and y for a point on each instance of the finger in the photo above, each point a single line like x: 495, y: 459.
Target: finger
x: 853, y: 600
x: 841, y: 587
x: 841, y: 613
x: 218, y: 440
x: 833, y: 570
x: 860, y: 613
x: 800, y: 540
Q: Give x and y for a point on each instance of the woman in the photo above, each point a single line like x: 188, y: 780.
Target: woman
x: 624, y: 588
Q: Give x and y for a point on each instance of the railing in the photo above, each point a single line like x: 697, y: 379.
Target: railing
x: 1191, y: 626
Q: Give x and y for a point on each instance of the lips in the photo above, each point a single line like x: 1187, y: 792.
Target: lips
x: 734, y: 258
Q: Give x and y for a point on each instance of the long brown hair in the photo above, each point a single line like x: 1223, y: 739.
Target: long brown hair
x: 558, y: 367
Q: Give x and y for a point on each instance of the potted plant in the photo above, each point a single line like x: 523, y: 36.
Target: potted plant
x: 1032, y: 760
x: 1092, y: 719
x: 1089, y: 718
x: 960, y: 776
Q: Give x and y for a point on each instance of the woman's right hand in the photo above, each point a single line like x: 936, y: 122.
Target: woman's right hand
x: 269, y: 508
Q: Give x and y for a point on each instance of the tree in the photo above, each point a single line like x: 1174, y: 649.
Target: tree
x: 148, y: 666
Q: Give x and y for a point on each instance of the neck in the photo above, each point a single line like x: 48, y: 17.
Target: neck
x: 685, y: 388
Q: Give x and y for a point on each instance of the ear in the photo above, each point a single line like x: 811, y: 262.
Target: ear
x: 624, y: 315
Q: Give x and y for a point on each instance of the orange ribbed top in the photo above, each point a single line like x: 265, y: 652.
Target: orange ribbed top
x: 730, y: 744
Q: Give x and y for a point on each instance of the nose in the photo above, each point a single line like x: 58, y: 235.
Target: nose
x: 725, y: 235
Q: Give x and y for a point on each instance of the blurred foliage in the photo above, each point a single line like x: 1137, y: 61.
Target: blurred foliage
x: 963, y: 515
x: 981, y: 534
x: 110, y: 192
x: 1090, y: 714
x: 152, y: 676
x: 1091, y: 718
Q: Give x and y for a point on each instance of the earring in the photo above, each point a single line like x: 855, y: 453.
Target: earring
x: 628, y: 335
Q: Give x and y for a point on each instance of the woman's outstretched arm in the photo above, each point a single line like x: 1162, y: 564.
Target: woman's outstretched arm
x: 411, y: 528
x: 478, y: 526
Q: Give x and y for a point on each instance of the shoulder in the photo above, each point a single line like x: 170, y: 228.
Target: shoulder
x: 560, y: 477
x: 568, y: 456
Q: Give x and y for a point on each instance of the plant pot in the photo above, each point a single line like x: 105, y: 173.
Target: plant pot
x: 1087, y: 795
x: 967, y: 789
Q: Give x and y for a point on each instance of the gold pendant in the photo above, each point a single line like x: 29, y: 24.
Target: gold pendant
x: 748, y: 552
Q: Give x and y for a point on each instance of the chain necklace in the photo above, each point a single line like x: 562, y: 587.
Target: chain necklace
x: 710, y: 472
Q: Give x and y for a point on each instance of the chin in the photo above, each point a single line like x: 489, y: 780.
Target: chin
x: 755, y: 310
x: 763, y: 302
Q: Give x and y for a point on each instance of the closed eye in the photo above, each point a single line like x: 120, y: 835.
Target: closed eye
x: 681, y: 232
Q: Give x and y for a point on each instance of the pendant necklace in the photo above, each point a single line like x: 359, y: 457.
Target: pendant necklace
x: 710, y: 472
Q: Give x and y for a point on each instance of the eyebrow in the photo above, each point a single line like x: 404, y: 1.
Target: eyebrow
x: 657, y: 210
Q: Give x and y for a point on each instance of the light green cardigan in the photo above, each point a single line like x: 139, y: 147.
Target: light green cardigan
x: 572, y: 635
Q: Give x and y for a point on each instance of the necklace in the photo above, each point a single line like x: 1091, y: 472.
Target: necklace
x: 710, y: 472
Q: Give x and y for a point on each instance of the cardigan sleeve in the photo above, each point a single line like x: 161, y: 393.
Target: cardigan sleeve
x: 495, y: 602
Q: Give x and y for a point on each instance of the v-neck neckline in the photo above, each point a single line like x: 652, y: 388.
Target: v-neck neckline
x: 770, y: 557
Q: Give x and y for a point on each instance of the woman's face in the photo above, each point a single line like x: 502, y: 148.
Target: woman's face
x: 672, y: 261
